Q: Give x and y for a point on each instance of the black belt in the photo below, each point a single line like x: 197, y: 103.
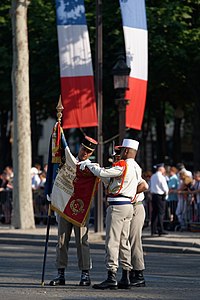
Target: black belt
x: 117, y: 196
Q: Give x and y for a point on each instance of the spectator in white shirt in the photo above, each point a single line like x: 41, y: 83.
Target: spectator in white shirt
x: 35, y: 179
x: 159, y: 190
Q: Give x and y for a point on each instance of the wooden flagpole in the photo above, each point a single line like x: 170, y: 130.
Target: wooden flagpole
x: 59, y: 109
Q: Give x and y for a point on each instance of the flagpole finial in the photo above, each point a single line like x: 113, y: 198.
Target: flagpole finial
x: 59, y: 109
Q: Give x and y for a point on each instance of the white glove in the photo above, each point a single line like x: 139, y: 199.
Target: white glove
x: 84, y: 164
x: 48, y: 198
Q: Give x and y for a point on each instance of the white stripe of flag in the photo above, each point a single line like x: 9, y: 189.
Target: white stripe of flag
x: 136, y: 44
x: 76, y: 72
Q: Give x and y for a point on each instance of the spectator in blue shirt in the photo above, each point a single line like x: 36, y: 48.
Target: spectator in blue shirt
x: 172, y: 200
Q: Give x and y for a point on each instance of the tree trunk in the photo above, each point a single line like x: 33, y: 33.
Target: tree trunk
x: 23, y: 215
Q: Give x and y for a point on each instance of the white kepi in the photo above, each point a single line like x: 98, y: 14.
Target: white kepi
x: 129, y: 143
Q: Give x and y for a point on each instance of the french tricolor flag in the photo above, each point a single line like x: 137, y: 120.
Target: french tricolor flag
x: 76, y: 72
x: 136, y: 44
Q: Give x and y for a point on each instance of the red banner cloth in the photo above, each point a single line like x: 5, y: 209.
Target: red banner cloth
x: 72, y: 199
x: 78, y: 207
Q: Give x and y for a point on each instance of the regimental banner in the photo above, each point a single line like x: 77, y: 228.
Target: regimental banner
x: 76, y: 72
x: 72, y: 193
x: 57, y: 147
x: 136, y: 44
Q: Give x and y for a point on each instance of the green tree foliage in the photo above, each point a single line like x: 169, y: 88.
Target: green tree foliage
x: 174, y: 55
x: 173, y: 49
x: 113, y: 44
x: 5, y: 81
x: 6, y: 56
x: 173, y: 62
x: 44, y: 61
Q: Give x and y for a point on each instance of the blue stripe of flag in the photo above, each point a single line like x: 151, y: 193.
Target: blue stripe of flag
x: 134, y: 13
x: 70, y: 12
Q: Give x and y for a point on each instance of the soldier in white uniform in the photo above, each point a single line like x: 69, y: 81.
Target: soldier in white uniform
x: 123, y: 180
x: 135, y: 237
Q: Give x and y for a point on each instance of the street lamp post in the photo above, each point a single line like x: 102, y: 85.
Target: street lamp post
x: 121, y: 73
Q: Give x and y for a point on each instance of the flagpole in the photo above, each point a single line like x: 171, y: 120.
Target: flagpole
x: 99, y: 96
x: 46, y: 243
x: 59, y: 109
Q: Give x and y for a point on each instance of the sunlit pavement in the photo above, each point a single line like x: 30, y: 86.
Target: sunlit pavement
x: 172, y: 267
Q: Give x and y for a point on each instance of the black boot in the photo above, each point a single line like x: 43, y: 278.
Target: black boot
x: 60, y: 279
x: 124, y: 282
x: 109, y: 283
x: 131, y: 275
x: 85, y: 278
x: 137, y: 278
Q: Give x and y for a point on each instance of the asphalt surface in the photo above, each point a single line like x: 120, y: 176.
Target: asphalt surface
x: 172, y: 267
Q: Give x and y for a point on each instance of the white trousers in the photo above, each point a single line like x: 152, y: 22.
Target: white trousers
x: 117, y: 245
x: 135, y: 237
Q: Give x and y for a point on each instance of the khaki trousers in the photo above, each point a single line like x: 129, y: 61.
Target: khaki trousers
x: 82, y: 245
x: 117, y: 245
x: 135, y: 237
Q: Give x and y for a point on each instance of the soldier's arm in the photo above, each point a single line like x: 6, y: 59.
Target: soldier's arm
x: 142, y: 186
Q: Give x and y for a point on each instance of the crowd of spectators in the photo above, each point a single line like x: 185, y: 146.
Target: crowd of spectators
x: 38, y: 179
x: 40, y: 203
x: 6, y: 186
x: 182, y: 203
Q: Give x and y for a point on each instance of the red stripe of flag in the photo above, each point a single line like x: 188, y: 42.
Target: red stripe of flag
x: 135, y: 109
x: 78, y: 100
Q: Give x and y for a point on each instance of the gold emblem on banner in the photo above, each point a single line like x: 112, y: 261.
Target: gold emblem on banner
x: 77, y: 206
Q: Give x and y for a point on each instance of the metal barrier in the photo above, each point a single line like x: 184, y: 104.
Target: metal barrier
x: 5, y: 206
x: 40, y: 206
x: 180, y: 215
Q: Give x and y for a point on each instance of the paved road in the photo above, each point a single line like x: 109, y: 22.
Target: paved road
x: 169, y: 274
